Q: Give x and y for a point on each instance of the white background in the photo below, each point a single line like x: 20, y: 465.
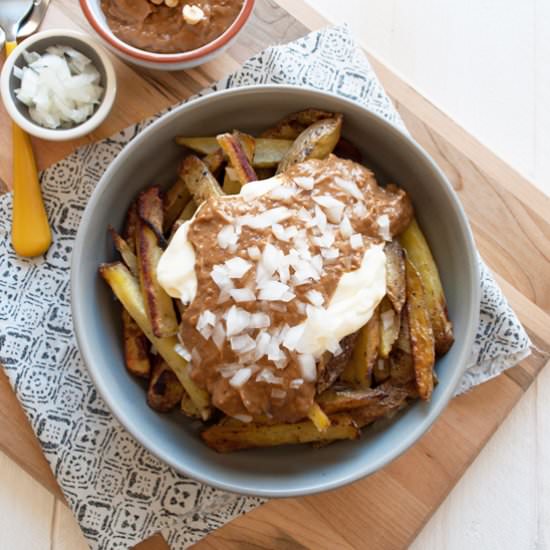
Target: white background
x: 487, y: 64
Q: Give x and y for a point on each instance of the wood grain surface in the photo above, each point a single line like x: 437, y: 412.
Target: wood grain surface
x: 508, y: 216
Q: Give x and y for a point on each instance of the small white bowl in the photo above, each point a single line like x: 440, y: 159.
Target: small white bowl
x: 164, y: 61
x: 38, y: 43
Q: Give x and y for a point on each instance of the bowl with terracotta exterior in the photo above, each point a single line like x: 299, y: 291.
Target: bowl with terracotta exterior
x: 153, y: 157
x: 167, y: 35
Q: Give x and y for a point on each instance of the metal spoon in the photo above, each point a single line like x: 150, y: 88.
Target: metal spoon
x: 31, y: 23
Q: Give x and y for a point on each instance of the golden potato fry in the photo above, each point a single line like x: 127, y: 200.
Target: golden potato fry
x: 421, y: 334
x: 315, y: 142
x: 269, y: 152
x: 227, y: 438
x: 188, y: 408
x: 236, y: 152
x: 186, y: 214
x: 389, y: 327
x: 214, y: 161
x: 395, y: 274
x: 136, y: 347
x: 231, y: 183
x: 381, y: 371
x: 150, y: 213
x: 248, y: 144
x: 365, y: 353
x: 200, y: 182
x: 395, y: 399
x: 174, y: 202
x: 130, y: 226
x: 165, y: 390
x: 159, y: 306
x: 404, y: 339
x: 330, y: 367
x: 125, y: 287
x: 420, y: 255
x: 291, y: 126
x: 123, y: 248
x: 402, y: 367
x: 318, y: 417
x: 336, y: 400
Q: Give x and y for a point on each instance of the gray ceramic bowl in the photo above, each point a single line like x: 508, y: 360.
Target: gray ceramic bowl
x: 153, y: 157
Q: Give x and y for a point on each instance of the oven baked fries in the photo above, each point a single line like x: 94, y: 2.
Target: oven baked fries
x: 371, y: 374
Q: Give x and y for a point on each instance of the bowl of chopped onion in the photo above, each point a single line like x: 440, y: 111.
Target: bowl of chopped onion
x: 58, y: 85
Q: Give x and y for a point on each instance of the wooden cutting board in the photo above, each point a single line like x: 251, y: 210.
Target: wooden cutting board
x: 509, y: 218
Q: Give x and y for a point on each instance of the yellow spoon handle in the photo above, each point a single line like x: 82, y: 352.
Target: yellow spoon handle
x: 30, y: 232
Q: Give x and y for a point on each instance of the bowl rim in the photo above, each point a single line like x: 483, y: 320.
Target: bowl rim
x: 320, y: 485
x: 60, y: 134
x: 168, y: 58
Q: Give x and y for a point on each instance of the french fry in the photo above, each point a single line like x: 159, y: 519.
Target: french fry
x: 291, y: 126
x: 403, y: 342
x: 136, y: 347
x: 269, y: 152
x: 365, y: 353
x: 248, y: 143
x: 381, y: 370
x: 158, y: 304
x: 395, y: 274
x: 125, y: 287
x: 174, y: 202
x: 200, y: 182
x: 126, y: 253
x: 165, y: 390
x: 214, y: 161
x: 188, y: 408
x: 130, y: 226
x: 344, y: 399
x: 402, y: 367
x: 186, y: 214
x: 395, y: 399
x: 236, y: 152
x: 318, y: 417
x: 227, y: 438
x: 150, y: 213
x: 330, y: 367
x: 315, y: 142
x: 421, y: 334
x: 231, y: 183
x: 389, y: 327
x: 419, y: 253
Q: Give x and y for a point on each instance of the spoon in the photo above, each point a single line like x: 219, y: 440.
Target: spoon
x: 31, y: 235
x: 31, y: 23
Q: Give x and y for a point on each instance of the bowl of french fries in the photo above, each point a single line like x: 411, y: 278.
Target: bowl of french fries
x: 275, y: 290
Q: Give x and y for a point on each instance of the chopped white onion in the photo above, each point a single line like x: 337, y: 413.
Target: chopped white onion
x: 242, y: 295
x: 218, y: 335
x: 308, y: 367
x: 349, y: 187
x: 346, y: 229
x: 241, y: 377
x: 182, y: 352
x: 383, y: 222
x: 283, y: 192
x: 227, y: 371
x: 206, y: 323
x: 356, y: 241
x: 262, y: 343
x: 304, y: 182
x: 227, y: 237
x: 272, y: 291
x: 237, y: 267
x: 60, y: 87
x: 330, y: 253
x: 265, y: 219
x: 293, y: 336
x: 260, y: 320
x: 320, y: 219
x: 283, y: 234
x: 237, y: 321
x: 242, y: 343
x: 266, y: 375
x: 359, y: 210
x: 333, y: 207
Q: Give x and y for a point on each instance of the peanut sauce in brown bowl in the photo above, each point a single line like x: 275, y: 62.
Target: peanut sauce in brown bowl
x: 170, y: 26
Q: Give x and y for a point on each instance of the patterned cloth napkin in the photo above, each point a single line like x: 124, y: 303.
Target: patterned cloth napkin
x: 118, y: 491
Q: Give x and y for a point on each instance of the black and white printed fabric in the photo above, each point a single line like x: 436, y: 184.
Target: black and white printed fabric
x: 119, y: 493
